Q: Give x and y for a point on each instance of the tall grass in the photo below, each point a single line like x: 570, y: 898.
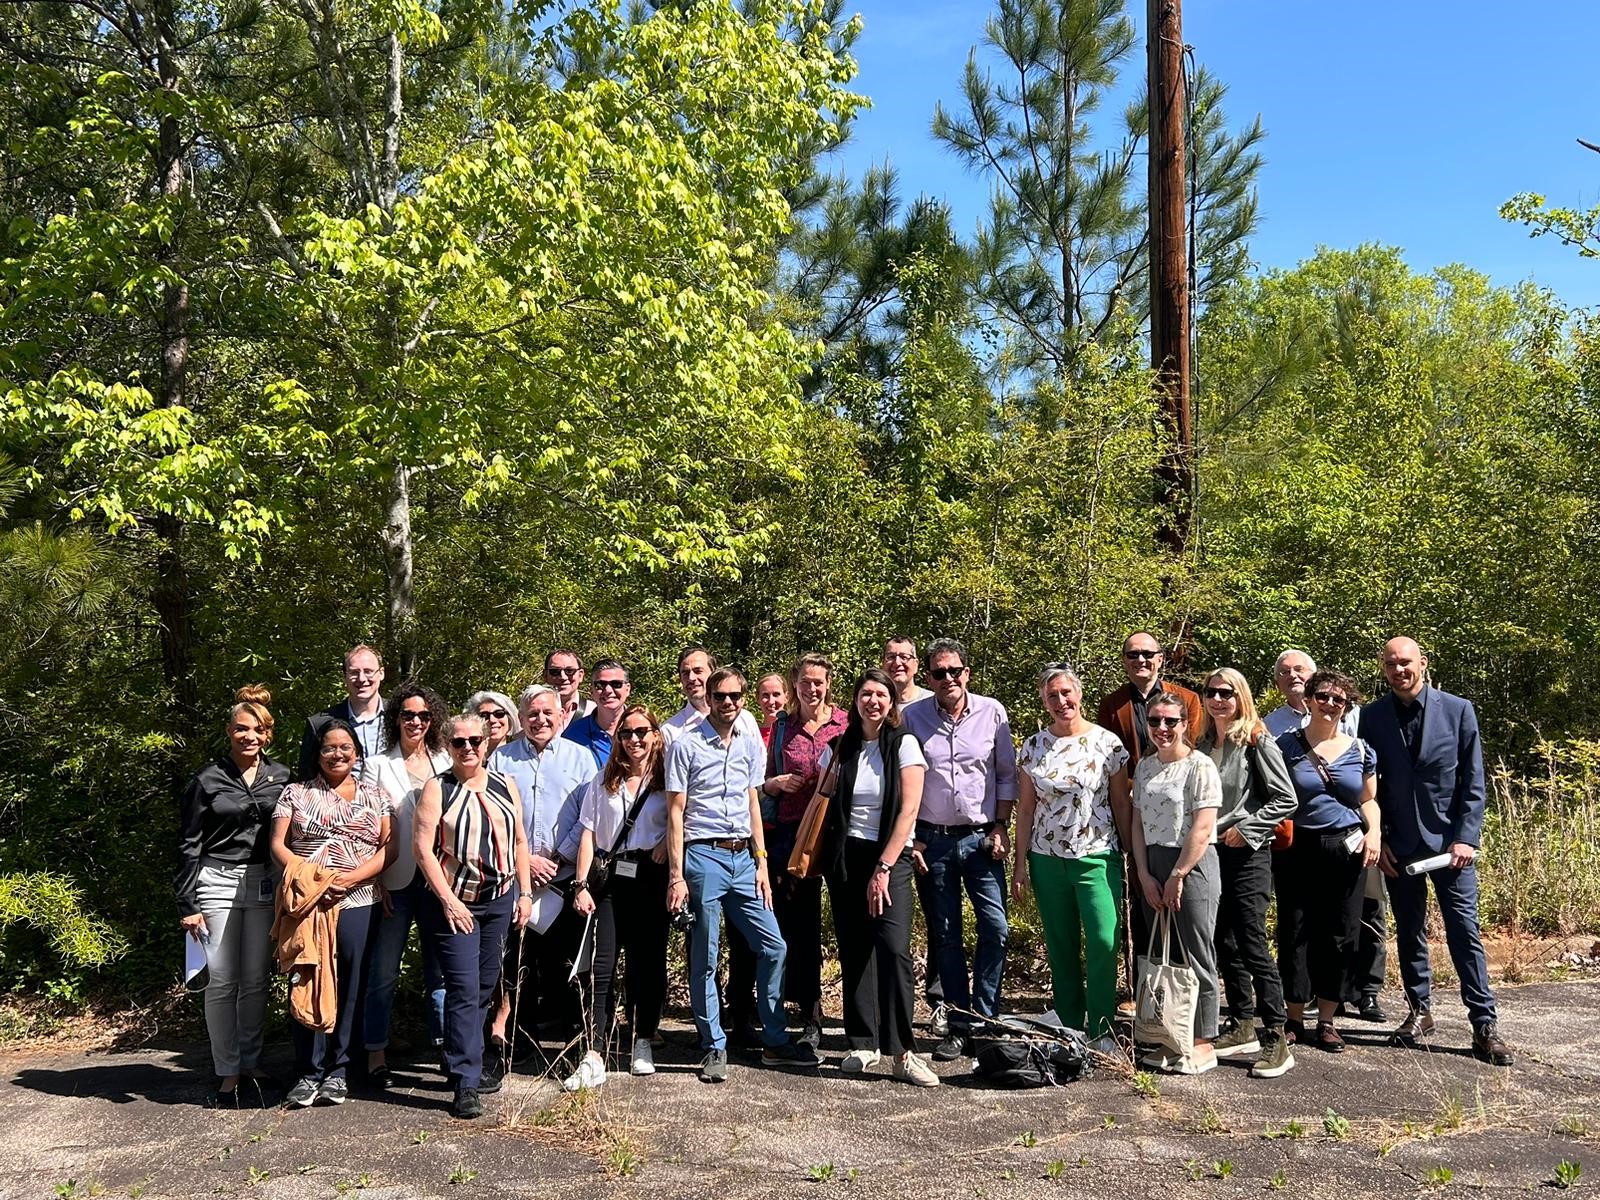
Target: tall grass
x: 1540, y: 864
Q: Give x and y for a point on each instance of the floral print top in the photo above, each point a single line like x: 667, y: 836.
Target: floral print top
x: 1072, y: 789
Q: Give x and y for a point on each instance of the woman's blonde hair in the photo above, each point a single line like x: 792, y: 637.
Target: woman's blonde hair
x: 1243, y: 729
x: 253, y: 698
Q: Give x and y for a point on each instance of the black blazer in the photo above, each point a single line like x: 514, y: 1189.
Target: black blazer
x: 1440, y: 799
x: 312, y: 738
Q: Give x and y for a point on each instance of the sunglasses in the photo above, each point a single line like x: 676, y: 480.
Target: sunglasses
x: 564, y: 672
x: 611, y: 685
x: 1220, y: 693
x: 947, y: 672
x: 1163, y: 722
x: 463, y: 743
x: 414, y: 714
x: 1141, y: 654
x: 637, y: 733
x: 728, y: 697
x: 1332, y: 698
x: 492, y: 714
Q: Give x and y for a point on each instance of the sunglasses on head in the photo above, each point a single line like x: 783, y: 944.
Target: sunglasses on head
x: 462, y: 743
x: 1163, y: 722
x: 416, y: 714
x: 947, y: 672
x: 1333, y: 698
x: 1220, y: 693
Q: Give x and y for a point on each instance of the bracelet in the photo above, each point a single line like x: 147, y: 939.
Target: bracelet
x: 760, y: 853
x: 581, y: 886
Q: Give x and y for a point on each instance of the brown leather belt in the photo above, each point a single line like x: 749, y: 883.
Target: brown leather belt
x: 723, y: 843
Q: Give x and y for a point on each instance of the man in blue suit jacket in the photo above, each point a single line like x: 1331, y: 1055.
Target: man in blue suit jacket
x: 1431, y: 795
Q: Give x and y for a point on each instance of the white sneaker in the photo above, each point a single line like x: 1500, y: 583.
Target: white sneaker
x: 644, y: 1059
x: 939, y: 1023
x: 911, y: 1069
x: 858, y: 1061
x: 591, y: 1073
x: 1193, y: 1064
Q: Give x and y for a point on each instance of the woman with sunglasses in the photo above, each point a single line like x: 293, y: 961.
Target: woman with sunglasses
x: 339, y: 821
x: 624, y: 822
x: 500, y: 721
x: 1319, y: 877
x: 414, y: 724
x: 1176, y: 794
x: 473, y: 854
x: 225, y: 887
x: 1256, y: 795
x: 1072, y: 799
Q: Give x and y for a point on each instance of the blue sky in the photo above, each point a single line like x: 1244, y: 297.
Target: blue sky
x: 1407, y: 122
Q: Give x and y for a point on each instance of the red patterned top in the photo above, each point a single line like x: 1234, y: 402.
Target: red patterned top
x: 799, y: 756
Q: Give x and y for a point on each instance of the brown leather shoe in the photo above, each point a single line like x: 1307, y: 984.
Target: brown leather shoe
x: 1415, y: 1029
x: 1328, y: 1038
x: 1487, y: 1046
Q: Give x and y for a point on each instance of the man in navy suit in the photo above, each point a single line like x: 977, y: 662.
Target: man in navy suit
x: 362, y: 708
x: 1431, y: 795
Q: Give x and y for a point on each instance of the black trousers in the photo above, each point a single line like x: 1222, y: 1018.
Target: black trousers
x: 470, y: 962
x: 1319, y: 915
x: 322, y: 1056
x: 537, y: 966
x: 631, y: 920
x: 797, y: 903
x: 880, y: 986
x: 932, y: 987
x: 1370, y: 964
x: 1250, y: 977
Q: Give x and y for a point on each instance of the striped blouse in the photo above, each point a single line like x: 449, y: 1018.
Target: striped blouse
x: 477, y: 838
x: 331, y: 831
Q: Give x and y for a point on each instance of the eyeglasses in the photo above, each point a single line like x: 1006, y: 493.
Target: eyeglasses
x: 1130, y: 655
x: 947, y: 672
x: 337, y: 752
x: 636, y: 733
x: 728, y: 697
x: 354, y: 674
x: 492, y: 714
x: 416, y: 714
x: 900, y: 657
x: 1163, y: 722
x: 1332, y: 698
x: 611, y: 685
x: 564, y: 672
x: 463, y: 743
x: 1220, y: 693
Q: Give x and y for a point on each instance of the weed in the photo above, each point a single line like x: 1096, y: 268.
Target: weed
x: 1279, y: 1180
x: 1335, y: 1126
x: 1210, y: 1121
x: 1055, y: 1168
x: 820, y: 1172
x: 1222, y: 1168
x: 1438, y: 1176
x: 461, y: 1173
x: 1108, y: 1122
x: 1194, y: 1168
x: 259, y: 1174
x: 1567, y: 1173
x: 1144, y: 1083
x: 1008, y: 1173
x: 1451, y: 1114
x: 136, y: 1190
x: 420, y: 1137
x: 853, y: 1174
x: 257, y: 1137
x: 1027, y: 1139
x: 1293, y: 1130
x: 1083, y: 1161
x: 1575, y: 1125
x: 67, y: 1190
x: 622, y: 1161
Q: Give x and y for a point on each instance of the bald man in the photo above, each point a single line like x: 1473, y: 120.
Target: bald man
x: 1431, y: 795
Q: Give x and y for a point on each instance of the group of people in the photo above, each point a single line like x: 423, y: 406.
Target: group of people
x: 547, y: 849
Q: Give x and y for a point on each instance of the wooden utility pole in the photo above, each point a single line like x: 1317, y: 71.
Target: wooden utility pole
x: 1169, y: 266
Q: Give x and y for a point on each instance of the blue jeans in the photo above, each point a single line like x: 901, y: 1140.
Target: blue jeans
x: 724, y: 881
x: 953, y: 861
x: 383, y: 967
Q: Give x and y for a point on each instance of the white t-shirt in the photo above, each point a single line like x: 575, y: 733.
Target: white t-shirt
x: 602, y: 812
x: 866, y: 802
x: 1167, y: 795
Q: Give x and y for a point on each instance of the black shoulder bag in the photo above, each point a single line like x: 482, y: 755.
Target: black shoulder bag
x: 601, y: 868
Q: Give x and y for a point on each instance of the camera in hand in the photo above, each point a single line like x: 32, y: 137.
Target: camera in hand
x: 683, y: 919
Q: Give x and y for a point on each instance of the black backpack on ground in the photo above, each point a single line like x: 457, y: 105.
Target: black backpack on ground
x: 1016, y: 1052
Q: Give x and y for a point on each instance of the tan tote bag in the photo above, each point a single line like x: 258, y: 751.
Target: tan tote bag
x: 1169, y: 993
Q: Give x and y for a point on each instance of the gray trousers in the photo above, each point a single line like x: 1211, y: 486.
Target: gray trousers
x: 238, y: 961
x: 1195, y: 923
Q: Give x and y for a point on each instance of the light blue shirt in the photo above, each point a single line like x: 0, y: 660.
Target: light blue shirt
x: 716, y: 779
x: 1285, y: 720
x: 551, y: 785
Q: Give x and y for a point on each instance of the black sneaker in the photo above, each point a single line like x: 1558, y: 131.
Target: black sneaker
x: 489, y: 1080
x: 952, y: 1048
x: 791, y: 1056
x: 467, y: 1105
x: 333, y: 1091
x: 302, y: 1094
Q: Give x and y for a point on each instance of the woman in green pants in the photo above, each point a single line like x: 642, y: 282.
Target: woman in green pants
x: 1072, y: 798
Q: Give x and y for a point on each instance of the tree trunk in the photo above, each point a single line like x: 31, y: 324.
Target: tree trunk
x: 401, y: 614
x: 171, y: 596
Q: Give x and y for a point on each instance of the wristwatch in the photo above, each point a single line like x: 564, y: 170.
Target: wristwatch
x: 581, y: 886
x: 883, y: 868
